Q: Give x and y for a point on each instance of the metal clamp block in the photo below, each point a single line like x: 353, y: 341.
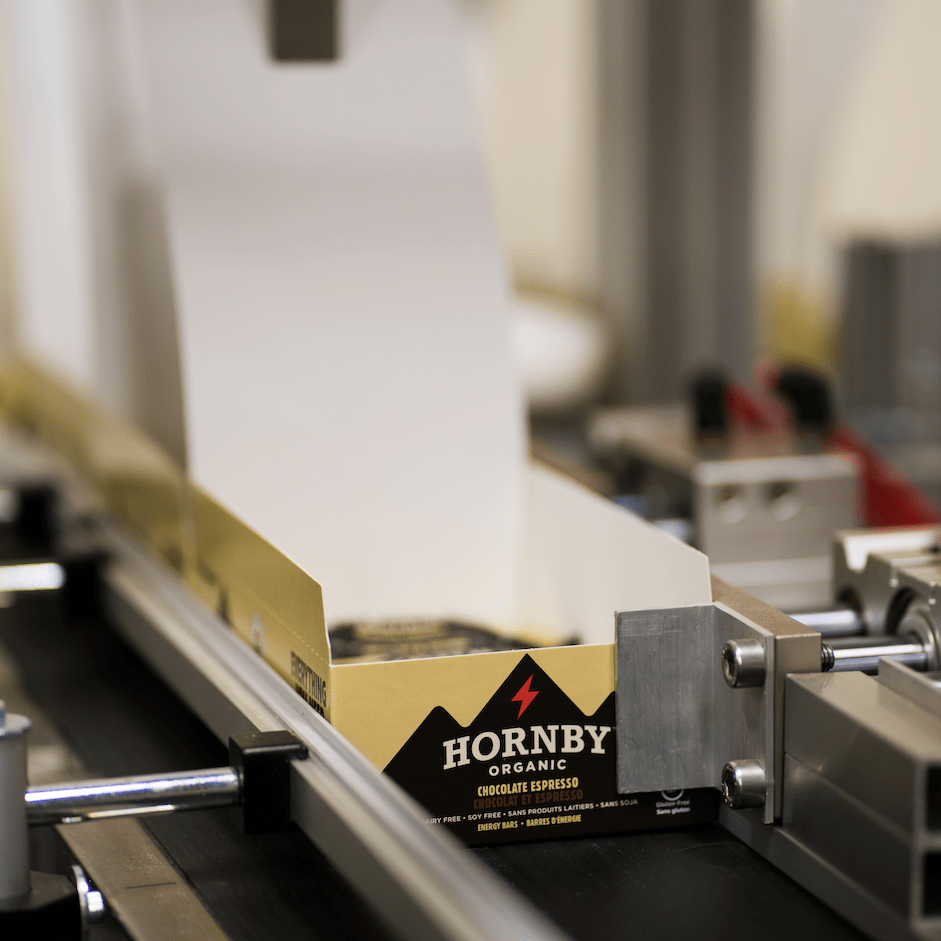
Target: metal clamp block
x: 263, y: 760
x: 701, y: 687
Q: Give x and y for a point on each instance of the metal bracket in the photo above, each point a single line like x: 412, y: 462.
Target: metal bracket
x: 262, y: 760
x: 679, y: 722
x: 686, y: 709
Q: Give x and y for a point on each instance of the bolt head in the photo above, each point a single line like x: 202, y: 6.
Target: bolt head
x: 743, y: 784
x: 743, y: 663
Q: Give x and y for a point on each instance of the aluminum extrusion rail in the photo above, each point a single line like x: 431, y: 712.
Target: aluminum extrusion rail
x: 418, y: 879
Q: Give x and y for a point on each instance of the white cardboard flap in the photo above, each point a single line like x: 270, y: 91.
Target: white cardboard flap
x: 584, y: 558
x: 349, y: 383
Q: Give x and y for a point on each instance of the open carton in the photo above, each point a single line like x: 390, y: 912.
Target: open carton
x: 521, y: 744
x: 508, y: 745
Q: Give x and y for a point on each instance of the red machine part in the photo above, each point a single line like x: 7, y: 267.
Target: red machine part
x: 888, y: 499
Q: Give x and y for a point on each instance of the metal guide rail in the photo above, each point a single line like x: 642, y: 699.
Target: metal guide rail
x: 419, y: 880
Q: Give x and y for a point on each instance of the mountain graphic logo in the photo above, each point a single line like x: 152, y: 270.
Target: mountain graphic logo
x: 529, y: 726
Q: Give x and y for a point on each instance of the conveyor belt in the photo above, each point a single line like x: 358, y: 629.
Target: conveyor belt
x: 682, y: 884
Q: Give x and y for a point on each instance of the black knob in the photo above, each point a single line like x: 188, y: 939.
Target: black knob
x: 808, y: 394
x: 710, y: 404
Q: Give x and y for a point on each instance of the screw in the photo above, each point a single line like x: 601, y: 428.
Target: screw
x: 743, y: 663
x: 91, y: 902
x: 827, y: 658
x: 744, y: 784
x: 96, y: 907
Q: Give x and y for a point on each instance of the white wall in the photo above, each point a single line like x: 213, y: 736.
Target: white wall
x: 538, y: 101
x: 849, y: 135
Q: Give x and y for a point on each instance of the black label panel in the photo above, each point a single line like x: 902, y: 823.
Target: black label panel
x: 532, y: 765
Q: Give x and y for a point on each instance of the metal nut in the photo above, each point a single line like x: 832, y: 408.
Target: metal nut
x: 744, y: 784
x: 743, y: 663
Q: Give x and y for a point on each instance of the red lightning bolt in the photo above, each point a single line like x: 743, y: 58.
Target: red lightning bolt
x: 525, y: 696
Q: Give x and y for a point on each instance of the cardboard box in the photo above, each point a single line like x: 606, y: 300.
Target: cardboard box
x: 501, y: 746
x: 521, y: 744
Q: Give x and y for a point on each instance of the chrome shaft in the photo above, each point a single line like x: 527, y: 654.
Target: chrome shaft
x: 32, y: 576
x: 133, y: 796
x: 14, y: 834
x: 863, y: 653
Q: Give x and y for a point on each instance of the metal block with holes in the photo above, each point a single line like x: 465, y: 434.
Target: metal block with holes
x: 762, y: 509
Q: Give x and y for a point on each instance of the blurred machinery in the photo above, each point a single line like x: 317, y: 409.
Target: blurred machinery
x: 891, y: 353
x: 761, y: 502
x: 759, y: 482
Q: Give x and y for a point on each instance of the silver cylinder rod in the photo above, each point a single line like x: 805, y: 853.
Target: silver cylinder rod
x: 865, y: 657
x: 135, y: 796
x: 835, y: 621
x: 14, y: 836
